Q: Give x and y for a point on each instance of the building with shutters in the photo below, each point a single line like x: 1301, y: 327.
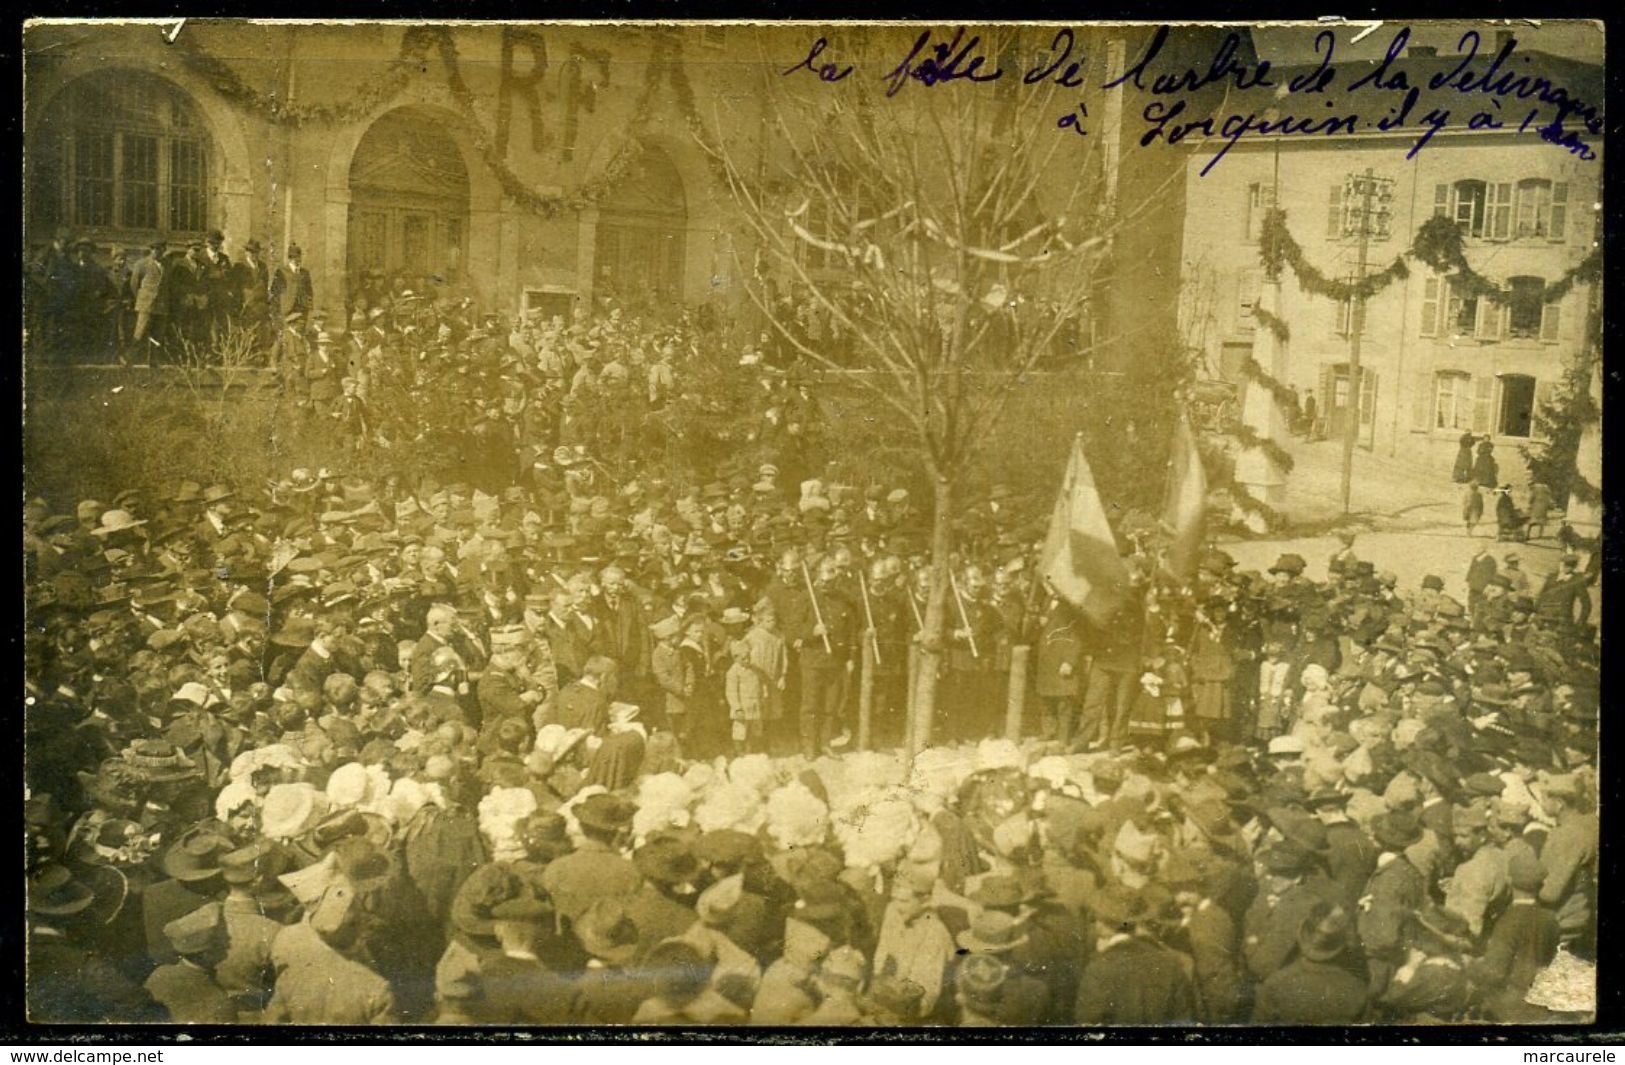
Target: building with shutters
x: 1435, y: 361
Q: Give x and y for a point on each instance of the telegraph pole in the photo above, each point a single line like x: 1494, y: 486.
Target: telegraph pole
x: 1366, y: 187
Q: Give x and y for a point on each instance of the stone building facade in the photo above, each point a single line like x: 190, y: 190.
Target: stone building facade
x: 1436, y: 362
x: 131, y: 136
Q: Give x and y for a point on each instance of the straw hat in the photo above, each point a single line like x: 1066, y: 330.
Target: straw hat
x: 291, y: 810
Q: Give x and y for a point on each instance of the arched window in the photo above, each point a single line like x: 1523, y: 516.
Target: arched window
x: 409, y: 202
x: 640, y: 247
x: 124, y: 155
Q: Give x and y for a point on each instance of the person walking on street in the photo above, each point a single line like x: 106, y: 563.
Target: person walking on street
x: 1472, y: 506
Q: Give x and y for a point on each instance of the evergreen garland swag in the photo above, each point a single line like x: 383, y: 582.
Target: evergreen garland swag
x: 417, y: 44
x: 1252, y: 371
x: 1249, y: 438
x: 1277, y: 247
x: 1274, y: 323
x: 1438, y: 244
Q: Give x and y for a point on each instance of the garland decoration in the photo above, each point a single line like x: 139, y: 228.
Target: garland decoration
x: 1252, y: 371
x: 1273, y: 519
x: 1274, y: 323
x: 416, y: 44
x: 1249, y: 438
x: 1277, y: 247
x: 1583, y: 490
x: 1440, y: 244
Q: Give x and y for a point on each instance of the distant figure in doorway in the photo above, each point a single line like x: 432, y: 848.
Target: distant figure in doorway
x: 1309, y: 414
x: 1462, y: 471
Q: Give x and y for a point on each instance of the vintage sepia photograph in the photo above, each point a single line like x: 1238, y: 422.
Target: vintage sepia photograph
x: 846, y: 525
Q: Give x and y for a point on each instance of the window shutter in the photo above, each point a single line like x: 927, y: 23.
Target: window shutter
x: 1560, y: 212
x: 1500, y: 209
x: 1334, y: 213
x: 1421, y: 401
x: 1550, y: 315
x: 1490, y: 314
x: 1368, y: 398
x: 1441, y: 200
x: 1342, y: 326
x: 1328, y: 389
x: 1483, y: 393
x: 1430, y: 306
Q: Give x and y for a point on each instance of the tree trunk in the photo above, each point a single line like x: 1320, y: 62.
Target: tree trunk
x: 936, y: 616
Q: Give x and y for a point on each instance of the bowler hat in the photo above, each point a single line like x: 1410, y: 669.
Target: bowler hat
x: 666, y: 860
x: 993, y: 932
x: 1120, y: 906
x: 607, y: 932
x: 1396, y: 830
x: 606, y: 813
x: 1324, y: 933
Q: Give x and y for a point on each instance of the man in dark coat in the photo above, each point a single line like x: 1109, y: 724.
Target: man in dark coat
x: 292, y: 290
x: 193, y: 865
x: 1522, y: 943
x: 1395, y: 890
x: 1114, y: 670
x: 1058, y: 670
x: 251, y: 285
x: 1479, y: 571
x: 70, y: 979
x: 1321, y: 985
x: 622, y: 631
x: 663, y: 906
x: 1132, y: 979
x: 1351, y: 857
x: 826, y: 650
x: 584, y: 702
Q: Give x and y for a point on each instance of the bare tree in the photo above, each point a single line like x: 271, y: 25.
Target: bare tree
x: 953, y: 232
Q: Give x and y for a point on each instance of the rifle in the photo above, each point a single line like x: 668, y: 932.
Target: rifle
x: 869, y: 616
x: 818, y: 615
x: 964, y: 619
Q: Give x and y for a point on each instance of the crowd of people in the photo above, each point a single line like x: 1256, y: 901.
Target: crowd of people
x: 163, y: 303
x: 336, y: 751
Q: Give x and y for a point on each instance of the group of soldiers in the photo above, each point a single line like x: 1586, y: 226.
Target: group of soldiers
x: 169, y: 300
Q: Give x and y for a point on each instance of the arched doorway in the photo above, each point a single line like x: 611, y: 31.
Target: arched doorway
x: 123, y: 156
x: 409, y: 204
x: 639, y: 255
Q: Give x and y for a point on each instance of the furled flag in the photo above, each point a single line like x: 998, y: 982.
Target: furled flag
x: 1184, y: 512
x: 1080, y: 558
